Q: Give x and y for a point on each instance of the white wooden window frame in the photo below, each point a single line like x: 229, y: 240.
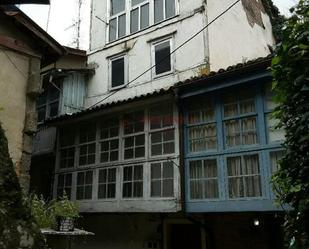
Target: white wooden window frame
x: 107, y: 183
x: 126, y: 70
x: 127, y: 12
x: 109, y: 140
x: 153, y: 56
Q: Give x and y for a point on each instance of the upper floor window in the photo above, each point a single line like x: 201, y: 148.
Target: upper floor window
x: 87, y: 144
x: 118, y: 71
x: 48, y: 102
x: 163, y: 9
x: 136, y: 15
x: 139, y: 15
x: 67, y: 148
x: 203, y: 129
x: 162, y: 59
x: 240, y: 119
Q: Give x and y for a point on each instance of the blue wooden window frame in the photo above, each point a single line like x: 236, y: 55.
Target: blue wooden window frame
x: 262, y: 148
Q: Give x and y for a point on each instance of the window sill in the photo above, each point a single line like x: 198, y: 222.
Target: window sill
x: 162, y: 75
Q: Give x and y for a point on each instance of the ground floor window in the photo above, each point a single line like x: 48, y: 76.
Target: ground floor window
x: 107, y: 183
x: 84, y: 185
x: 132, y: 181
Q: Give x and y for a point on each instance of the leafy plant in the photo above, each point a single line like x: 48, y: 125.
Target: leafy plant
x: 65, y: 208
x: 42, y: 212
x: 291, y: 85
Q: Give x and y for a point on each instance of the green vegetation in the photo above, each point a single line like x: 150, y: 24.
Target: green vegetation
x: 291, y: 84
x: 17, y: 227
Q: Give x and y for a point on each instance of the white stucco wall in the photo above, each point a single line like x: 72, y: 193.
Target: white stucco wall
x: 231, y: 38
x: 228, y: 41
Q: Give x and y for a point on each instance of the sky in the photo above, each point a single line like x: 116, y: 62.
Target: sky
x: 63, y: 14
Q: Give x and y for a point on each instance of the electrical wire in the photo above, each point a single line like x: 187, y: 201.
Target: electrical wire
x: 13, y: 63
x: 176, y: 49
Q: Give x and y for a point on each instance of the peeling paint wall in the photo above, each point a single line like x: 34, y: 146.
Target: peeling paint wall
x: 19, y: 86
x: 242, y: 34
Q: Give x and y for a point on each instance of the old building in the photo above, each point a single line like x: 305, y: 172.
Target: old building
x: 146, y: 169
x: 24, y: 49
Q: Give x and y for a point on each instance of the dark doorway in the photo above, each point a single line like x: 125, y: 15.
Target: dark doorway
x: 185, y: 236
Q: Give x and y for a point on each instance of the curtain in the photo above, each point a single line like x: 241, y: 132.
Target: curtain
x: 252, y: 178
x: 249, y: 135
x: 235, y: 179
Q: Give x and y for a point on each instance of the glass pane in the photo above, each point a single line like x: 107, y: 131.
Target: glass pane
x: 135, y: 2
x: 230, y: 105
x: 102, y: 191
x: 210, y: 168
x: 114, y: 156
x: 111, y: 191
x: 138, y: 173
x: 156, y: 188
x: 112, y: 175
x: 246, y: 102
x: 60, y: 180
x: 80, y: 178
x: 156, y: 150
x: 41, y: 113
x: 145, y: 16
x: 127, y: 190
x: 168, y: 170
x: 156, y: 137
x: 156, y: 171
x: 68, y: 179
x: 121, y: 26
x: 79, y: 193
x: 117, y: 6
x: 89, y: 175
x: 88, y: 192
x: 211, y: 189
x: 168, y: 188
x: 53, y: 109
x: 104, y: 146
x: 168, y: 135
x: 168, y: 148
x: 112, y: 29
x: 139, y: 152
x: 275, y: 135
x: 196, y: 170
x: 158, y: 11
x: 114, y: 144
x: 253, y: 186
x: 103, y: 176
x: 249, y: 135
x: 67, y: 137
x: 134, y: 20
x: 234, y: 166
x: 236, y: 187
x: 128, y: 154
x: 169, y: 8
x: 232, y: 129
x: 275, y: 156
x: 251, y: 165
x: 163, y: 57
x: 196, y: 189
x: 118, y: 74
x: 138, y: 189
x: 127, y: 173
x: 139, y: 140
x: 104, y: 157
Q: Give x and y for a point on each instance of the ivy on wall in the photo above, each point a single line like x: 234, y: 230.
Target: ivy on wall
x: 291, y: 84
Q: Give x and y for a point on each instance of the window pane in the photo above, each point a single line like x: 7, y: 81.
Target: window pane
x: 156, y: 188
x: 138, y: 189
x: 236, y: 187
x: 112, y: 29
x: 163, y: 58
x: 127, y: 173
x: 275, y: 156
x: 117, y: 6
x: 234, y: 166
x: 156, y: 150
x: 275, y: 135
x: 88, y: 179
x: 203, y: 137
x: 80, y: 178
x: 118, y: 72
x: 103, y: 176
x: 210, y: 168
x: 127, y: 190
x: 169, y: 8
x: 211, y: 189
x: 145, y: 16
x: 195, y: 169
x: 196, y: 189
x: 168, y: 170
x: 138, y: 173
x: 134, y: 20
x: 88, y: 192
x: 121, y: 26
x: 168, y: 188
x: 230, y: 105
x: 232, y: 130
x: 249, y: 135
x: 102, y: 191
x: 158, y: 10
x: 111, y: 193
x: 41, y: 113
x: 156, y: 171
x: 253, y: 186
x: 112, y: 175
x: 53, y: 109
x: 139, y: 152
x: 135, y: 2
x: 246, y: 102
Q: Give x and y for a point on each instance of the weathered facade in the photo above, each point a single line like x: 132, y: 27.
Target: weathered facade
x: 24, y: 49
x: 125, y: 158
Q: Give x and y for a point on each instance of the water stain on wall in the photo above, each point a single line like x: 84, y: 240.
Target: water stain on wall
x: 254, y: 10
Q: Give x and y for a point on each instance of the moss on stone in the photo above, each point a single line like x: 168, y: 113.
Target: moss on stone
x: 18, y: 229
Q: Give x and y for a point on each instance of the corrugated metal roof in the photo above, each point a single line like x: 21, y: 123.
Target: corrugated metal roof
x: 262, y: 62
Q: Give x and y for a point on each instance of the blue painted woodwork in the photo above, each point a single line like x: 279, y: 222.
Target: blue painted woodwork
x: 263, y: 148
